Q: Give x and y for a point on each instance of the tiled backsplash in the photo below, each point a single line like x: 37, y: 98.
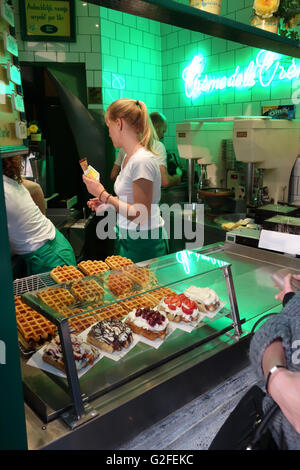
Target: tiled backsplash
x: 134, y: 57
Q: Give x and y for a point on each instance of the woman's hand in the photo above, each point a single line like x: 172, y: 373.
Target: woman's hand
x: 93, y: 204
x: 287, y: 286
x: 93, y: 186
x: 284, y: 388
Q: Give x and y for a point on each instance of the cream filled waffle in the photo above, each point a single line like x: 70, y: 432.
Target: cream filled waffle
x: 93, y: 268
x: 62, y: 274
x: 56, y: 297
x: 207, y: 299
x: 148, y: 322
x: 117, y: 261
x: 178, y: 308
x: 84, y: 353
x: 119, y: 284
x: 110, y: 335
x: 33, y: 329
x: 88, y: 290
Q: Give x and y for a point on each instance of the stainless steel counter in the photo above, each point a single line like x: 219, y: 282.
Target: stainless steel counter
x: 123, y: 412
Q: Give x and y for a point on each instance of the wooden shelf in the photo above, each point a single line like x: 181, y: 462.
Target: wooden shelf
x: 176, y: 14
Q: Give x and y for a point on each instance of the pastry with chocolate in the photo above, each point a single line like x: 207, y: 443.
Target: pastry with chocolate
x: 110, y: 335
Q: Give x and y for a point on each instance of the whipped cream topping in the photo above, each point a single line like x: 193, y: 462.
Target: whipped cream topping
x: 165, y: 306
x: 192, y: 316
x: 204, y: 295
x: 179, y: 311
x: 111, y: 331
x: 143, y: 323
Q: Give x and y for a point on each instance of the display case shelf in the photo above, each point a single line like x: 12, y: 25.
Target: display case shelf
x: 183, y: 16
x: 178, y: 272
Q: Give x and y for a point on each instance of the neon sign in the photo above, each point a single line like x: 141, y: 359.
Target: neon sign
x: 186, y: 257
x: 263, y: 70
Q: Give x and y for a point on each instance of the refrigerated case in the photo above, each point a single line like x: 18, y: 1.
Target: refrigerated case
x: 205, y: 356
x: 120, y: 396
x: 70, y: 400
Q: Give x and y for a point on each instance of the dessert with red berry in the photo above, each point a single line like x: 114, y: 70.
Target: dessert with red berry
x: 148, y: 322
x: 207, y: 299
x: 179, y: 307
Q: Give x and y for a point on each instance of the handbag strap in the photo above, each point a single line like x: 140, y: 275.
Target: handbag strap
x: 260, y: 320
x: 262, y: 426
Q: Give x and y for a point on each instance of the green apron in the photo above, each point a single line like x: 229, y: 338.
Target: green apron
x: 56, y: 252
x: 143, y: 248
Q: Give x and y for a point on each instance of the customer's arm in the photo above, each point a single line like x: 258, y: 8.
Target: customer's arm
x: 284, y: 385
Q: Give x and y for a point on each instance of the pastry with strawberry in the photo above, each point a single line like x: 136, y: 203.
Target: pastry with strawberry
x: 207, y: 299
x: 178, y: 308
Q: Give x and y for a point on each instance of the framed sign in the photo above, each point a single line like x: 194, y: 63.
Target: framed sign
x: 49, y: 20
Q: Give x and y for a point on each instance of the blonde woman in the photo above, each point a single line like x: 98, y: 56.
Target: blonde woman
x: 139, y: 228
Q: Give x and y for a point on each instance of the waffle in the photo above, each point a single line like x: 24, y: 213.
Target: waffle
x: 88, y: 290
x: 56, y: 297
x: 178, y: 308
x: 117, y: 261
x: 119, y: 284
x: 157, y: 294
x: 140, y: 276
x: 65, y: 274
x: 84, y: 354
x: 33, y: 329
x: 148, y: 322
x: 93, y: 268
x: 81, y: 322
x: 110, y: 335
x: 115, y: 311
x: 140, y: 301
x: 206, y: 299
x: 84, y: 321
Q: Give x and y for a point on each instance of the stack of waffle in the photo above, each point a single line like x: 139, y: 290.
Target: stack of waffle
x: 82, y: 294
x: 33, y: 329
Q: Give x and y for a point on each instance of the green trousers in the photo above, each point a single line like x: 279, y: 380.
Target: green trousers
x: 56, y: 252
x: 142, y: 248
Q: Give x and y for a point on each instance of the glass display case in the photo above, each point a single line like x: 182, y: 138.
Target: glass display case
x: 51, y: 393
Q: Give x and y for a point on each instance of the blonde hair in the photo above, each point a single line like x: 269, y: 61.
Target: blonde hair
x: 135, y: 113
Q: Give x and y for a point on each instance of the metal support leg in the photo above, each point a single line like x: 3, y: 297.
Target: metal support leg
x: 191, y: 177
x: 70, y: 366
x: 233, y: 302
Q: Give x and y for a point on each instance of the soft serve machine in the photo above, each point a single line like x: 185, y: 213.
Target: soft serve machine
x: 268, y: 147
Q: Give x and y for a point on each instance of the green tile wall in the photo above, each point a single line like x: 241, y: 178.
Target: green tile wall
x: 131, y: 58
x: 222, y: 57
x: 143, y: 59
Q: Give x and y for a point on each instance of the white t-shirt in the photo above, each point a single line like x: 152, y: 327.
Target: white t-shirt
x: 142, y: 164
x: 28, y: 228
x: 158, y: 147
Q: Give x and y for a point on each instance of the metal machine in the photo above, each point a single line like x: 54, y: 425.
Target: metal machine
x: 267, y: 147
